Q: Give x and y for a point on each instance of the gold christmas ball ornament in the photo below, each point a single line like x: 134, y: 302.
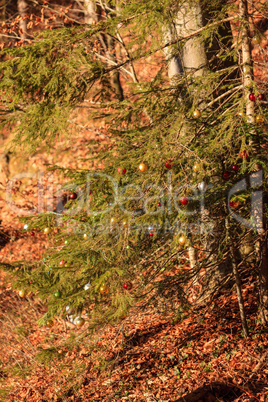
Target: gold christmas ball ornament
x: 256, y: 40
x: 259, y: 119
x: 143, y: 167
x: 113, y: 220
x: 240, y: 113
x: 197, y: 167
x: 125, y: 223
x: 47, y: 230
x: 79, y: 322
x: 104, y: 290
x: 196, y: 114
x: 85, y: 236
x: 49, y: 323
x: 182, y: 240
x: 22, y: 293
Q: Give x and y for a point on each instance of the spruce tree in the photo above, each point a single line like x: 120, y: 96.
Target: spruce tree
x: 176, y: 148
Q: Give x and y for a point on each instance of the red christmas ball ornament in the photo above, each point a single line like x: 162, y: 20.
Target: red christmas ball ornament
x: 244, y: 154
x: 168, y: 165
x: 62, y: 262
x: 159, y: 204
x: 261, y: 97
x: 151, y: 234
x: 73, y: 196
x: 121, y: 170
x: 184, y: 200
x: 252, y: 97
x: 226, y: 175
x: 235, y: 168
x: 232, y: 204
x: 32, y: 233
x: 127, y: 286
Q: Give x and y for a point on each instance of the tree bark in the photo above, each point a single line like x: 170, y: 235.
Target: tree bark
x: 260, y: 224
x: 22, y: 9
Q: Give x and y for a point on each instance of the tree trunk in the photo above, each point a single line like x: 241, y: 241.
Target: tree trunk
x: 192, y: 61
x: 92, y: 16
x: 22, y: 8
x: 259, y: 214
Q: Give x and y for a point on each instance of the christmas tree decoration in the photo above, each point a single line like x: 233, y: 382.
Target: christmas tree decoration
x: 113, y: 220
x: 22, y: 293
x: 127, y: 285
x: 26, y: 226
x: 79, y: 322
x: 49, y: 323
x: 234, y: 204
x: 168, y: 165
x: 184, y: 200
x: 68, y: 309
x: 235, y: 168
x: 62, y: 263
x: 87, y: 286
x: 240, y: 113
x: 47, y: 230
x: 143, y: 167
x: 85, y: 236
x: 252, y: 97
x: 66, y: 242
x: 73, y: 196
x: 261, y: 97
x: 182, y: 240
x: 151, y: 230
x: 104, y: 290
x: 57, y: 294
x: 244, y: 154
x: 121, y: 170
x: 32, y: 233
x: 259, y: 119
x: 196, y: 114
x: 125, y: 223
x: 256, y: 40
x: 226, y: 175
x: 197, y: 167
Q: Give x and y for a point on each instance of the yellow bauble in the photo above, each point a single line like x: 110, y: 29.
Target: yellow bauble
x: 259, y: 118
x: 196, y: 114
x: 113, y: 220
x: 22, y: 293
x: 85, y: 236
x: 49, y: 323
x: 182, y: 240
x: 256, y: 40
x: 124, y: 223
x: 197, y: 167
x: 104, y: 290
x: 143, y: 167
x: 47, y: 230
x: 79, y: 322
x: 240, y: 113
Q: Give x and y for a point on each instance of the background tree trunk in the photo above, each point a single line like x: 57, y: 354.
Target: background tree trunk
x: 22, y: 9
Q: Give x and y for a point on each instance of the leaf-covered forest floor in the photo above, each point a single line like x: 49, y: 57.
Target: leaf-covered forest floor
x: 147, y: 357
